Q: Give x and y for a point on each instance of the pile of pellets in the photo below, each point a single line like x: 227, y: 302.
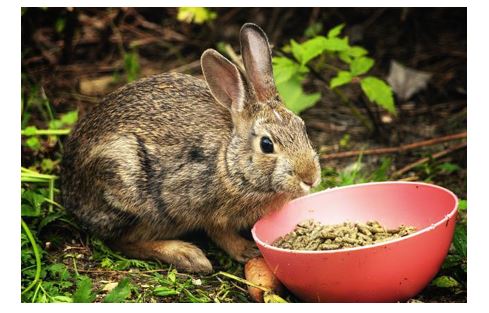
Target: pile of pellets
x: 312, y: 235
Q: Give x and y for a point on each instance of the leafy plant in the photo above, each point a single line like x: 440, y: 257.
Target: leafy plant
x: 320, y: 53
x: 131, y: 65
x: 120, y: 293
x: 195, y: 15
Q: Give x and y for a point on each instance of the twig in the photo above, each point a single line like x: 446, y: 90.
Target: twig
x: 398, y: 149
x: 234, y: 57
x: 432, y: 157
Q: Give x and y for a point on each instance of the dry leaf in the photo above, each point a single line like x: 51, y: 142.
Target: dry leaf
x: 406, y: 81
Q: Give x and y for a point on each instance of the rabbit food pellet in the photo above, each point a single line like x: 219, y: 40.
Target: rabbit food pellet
x: 312, y: 235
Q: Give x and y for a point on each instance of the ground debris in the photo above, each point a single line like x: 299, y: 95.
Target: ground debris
x: 312, y: 235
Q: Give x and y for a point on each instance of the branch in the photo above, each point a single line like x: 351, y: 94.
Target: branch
x: 398, y: 149
x: 432, y: 157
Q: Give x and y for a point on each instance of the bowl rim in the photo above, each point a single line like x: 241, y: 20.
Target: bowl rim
x: 447, y: 217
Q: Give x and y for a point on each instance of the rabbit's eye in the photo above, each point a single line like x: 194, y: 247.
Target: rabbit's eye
x: 266, y: 145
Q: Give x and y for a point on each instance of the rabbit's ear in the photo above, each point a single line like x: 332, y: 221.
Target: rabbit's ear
x: 223, y: 79
x: 257, y: 59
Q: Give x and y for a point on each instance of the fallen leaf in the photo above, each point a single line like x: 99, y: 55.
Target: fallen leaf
x: 406, y: 81
x: 108, y: 287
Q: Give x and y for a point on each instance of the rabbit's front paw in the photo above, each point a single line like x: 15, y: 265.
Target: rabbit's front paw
x: 184, y: 256
x: 247, y: 251
x: 236, y: 246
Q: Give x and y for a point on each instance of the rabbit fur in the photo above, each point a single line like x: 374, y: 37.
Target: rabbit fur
x: 172, y: 153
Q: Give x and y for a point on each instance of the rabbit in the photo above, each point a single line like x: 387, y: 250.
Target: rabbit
x: 172, y: 154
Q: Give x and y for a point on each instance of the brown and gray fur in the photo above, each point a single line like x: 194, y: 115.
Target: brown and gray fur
x: 172, y: 153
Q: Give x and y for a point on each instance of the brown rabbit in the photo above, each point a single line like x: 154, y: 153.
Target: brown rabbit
x: 172, y: 153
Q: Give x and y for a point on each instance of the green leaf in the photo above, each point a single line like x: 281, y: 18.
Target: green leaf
x: 195, y: 15
x: 172, y: 276
x: 356, y: 51
x: 448, y: 168
x: 165, y: 291
x: 51, y: 217
x: 294, y: 97
x: 345, y: 57
x: 336, y: 44
x: 31, y: 203
x: 59, y: 270
x: 284, y: 69
x: 451, y: 261
x: 34, y: 143
x: 462, y: 205
x: 119, y: 293
x: 342, y: 78
x: 445, y: 282
x: 297, y: 51
x: 30, y: 131
x: 47, y: 165
x: 83, y: 293
x: 378, y: 92
x: 314, y: 47
x: 313, y: 30
x: 131, y: 65
x: 61, y: 299
x: 335, y: 31
x: 69, y: 118
x: 460, y: 240
x: 361, y: 65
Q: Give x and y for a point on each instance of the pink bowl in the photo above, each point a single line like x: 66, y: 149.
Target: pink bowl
x: 384, y: 272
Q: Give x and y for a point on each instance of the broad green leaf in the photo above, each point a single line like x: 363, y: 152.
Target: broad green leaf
x: 297, y: 50
x: 284, y: 69
x: 165, y: 291
x: 460, y: 240
x: 445, y: 282
x: 356, y: 51
x: 335, y: 31
x: 31, y: 203
x: 378, y: 92
x: 195, y: 15
x: 83, y: 293
x: 361, y: 65
x: 336, y: 44
x: 345, y: 57
x: 312, y: 48
x: 61, y: 299
x: 51, y: 217
x: 69, y: 118
x: 30, y: 131
x: 294, y: 97
x: 119, y: 293
x: 59, y: 270
x: 343, y: 77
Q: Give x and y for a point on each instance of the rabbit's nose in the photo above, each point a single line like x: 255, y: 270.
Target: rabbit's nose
x: 311, y: 182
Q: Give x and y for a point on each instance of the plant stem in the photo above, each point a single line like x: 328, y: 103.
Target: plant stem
x: 241, y: 280
x: 36, y: 254
x: 54, y: 132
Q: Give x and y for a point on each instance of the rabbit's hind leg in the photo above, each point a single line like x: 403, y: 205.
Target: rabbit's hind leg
x: 183, y: 255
